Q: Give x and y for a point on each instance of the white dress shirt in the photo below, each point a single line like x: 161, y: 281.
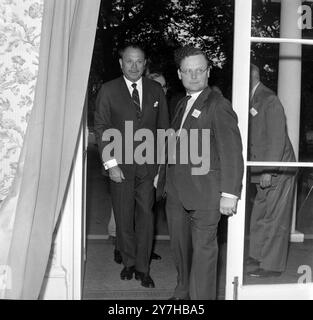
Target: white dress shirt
x: 139, y: 88
x: 190, y: 103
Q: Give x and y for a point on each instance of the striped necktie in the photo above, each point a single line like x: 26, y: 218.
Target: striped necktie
x: 136, y: 100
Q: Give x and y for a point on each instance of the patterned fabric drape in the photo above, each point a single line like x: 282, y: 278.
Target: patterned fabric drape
x: 29, y: 213
x: 20, y: 27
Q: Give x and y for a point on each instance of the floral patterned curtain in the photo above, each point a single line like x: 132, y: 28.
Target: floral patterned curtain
x: 29, y: 212
x: 20, y: 27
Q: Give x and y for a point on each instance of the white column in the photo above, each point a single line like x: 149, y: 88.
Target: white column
x: 289, y: 81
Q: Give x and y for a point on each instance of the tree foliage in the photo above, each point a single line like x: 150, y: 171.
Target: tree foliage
x: 161, y: 26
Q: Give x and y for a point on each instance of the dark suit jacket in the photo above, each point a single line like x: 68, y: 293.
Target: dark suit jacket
x: 172, y: 104
x: 268, y: 137
x: 114, y: 106
x: 203, y: 192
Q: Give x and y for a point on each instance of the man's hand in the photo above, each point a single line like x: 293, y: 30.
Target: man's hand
x: 116, y: 174
x: 155, y: 181
x: 228, y: 206
x: 265, y: 180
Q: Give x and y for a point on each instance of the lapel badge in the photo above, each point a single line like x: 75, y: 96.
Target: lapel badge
x: 156, y: 104
x: 196, y: 113
x: 253, y: 112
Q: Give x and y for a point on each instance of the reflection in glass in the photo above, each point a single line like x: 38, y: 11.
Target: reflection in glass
x: 266, y: 18
x: 271, y: 213
x: 272, y: 192
x: 266, y: 57
x: 275, y: 251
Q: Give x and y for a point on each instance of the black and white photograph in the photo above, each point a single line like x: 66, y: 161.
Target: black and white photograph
x: 156, y: 150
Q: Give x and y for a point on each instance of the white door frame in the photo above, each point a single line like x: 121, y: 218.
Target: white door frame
x: 65, y: 272
x: 236, y: 224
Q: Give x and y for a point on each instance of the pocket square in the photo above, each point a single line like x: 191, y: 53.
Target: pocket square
x: 155, y: 104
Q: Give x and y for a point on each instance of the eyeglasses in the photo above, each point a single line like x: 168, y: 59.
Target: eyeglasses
x: 191, y: 72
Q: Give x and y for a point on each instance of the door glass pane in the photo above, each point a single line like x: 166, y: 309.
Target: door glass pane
x: 306, y: 115
x: 266, y: 18
x: 295, y: 92
x: 284, y: 252
x: 279, y: 201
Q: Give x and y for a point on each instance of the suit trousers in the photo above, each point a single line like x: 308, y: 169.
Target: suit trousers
x: 132, y: 202
x: 194, y: 248
x: 270, y: 224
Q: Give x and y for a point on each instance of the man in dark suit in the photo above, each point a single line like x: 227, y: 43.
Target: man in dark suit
x: 131, y: 103
x: 158, y: 77
x: 273, y: 205
x: 195, y: 200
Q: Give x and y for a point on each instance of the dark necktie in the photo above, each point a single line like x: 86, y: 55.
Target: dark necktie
x: 180, y: 113
x: 176, y: 123
x: 178, y: 117
x: 136, y: 100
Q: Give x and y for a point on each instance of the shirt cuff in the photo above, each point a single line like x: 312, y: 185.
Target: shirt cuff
x: 110, y: 164
x: 229, y: 195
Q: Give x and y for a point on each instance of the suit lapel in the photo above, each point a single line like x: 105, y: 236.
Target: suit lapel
x: 255, y: 102
x: 177, y: 108
x: 125, y: 95
x: 124, y: 90
x: 197, y: 105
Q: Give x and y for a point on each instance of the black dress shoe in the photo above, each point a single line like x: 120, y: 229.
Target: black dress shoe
x: 127, y: 273
x: 262, y: 273
x: 252, y: 262
x: 117, y: 256
x: 155, y: 256
x: 146, y: 280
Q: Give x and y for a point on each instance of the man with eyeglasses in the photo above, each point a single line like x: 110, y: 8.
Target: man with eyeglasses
x: 194, y: 203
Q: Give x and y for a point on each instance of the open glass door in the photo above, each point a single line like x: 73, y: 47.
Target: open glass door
x: 283, y: 46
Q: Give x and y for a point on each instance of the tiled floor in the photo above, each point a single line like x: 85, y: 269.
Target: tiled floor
x: 102, y: 278
x: 102, y: 275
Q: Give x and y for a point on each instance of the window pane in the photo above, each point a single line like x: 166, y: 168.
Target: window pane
x: 270, y: 212
x: 267, y: 20
x: 293, y: 83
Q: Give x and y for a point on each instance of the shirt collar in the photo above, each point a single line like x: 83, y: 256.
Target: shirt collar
x: 194, y: 95
x: 129, y: 83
